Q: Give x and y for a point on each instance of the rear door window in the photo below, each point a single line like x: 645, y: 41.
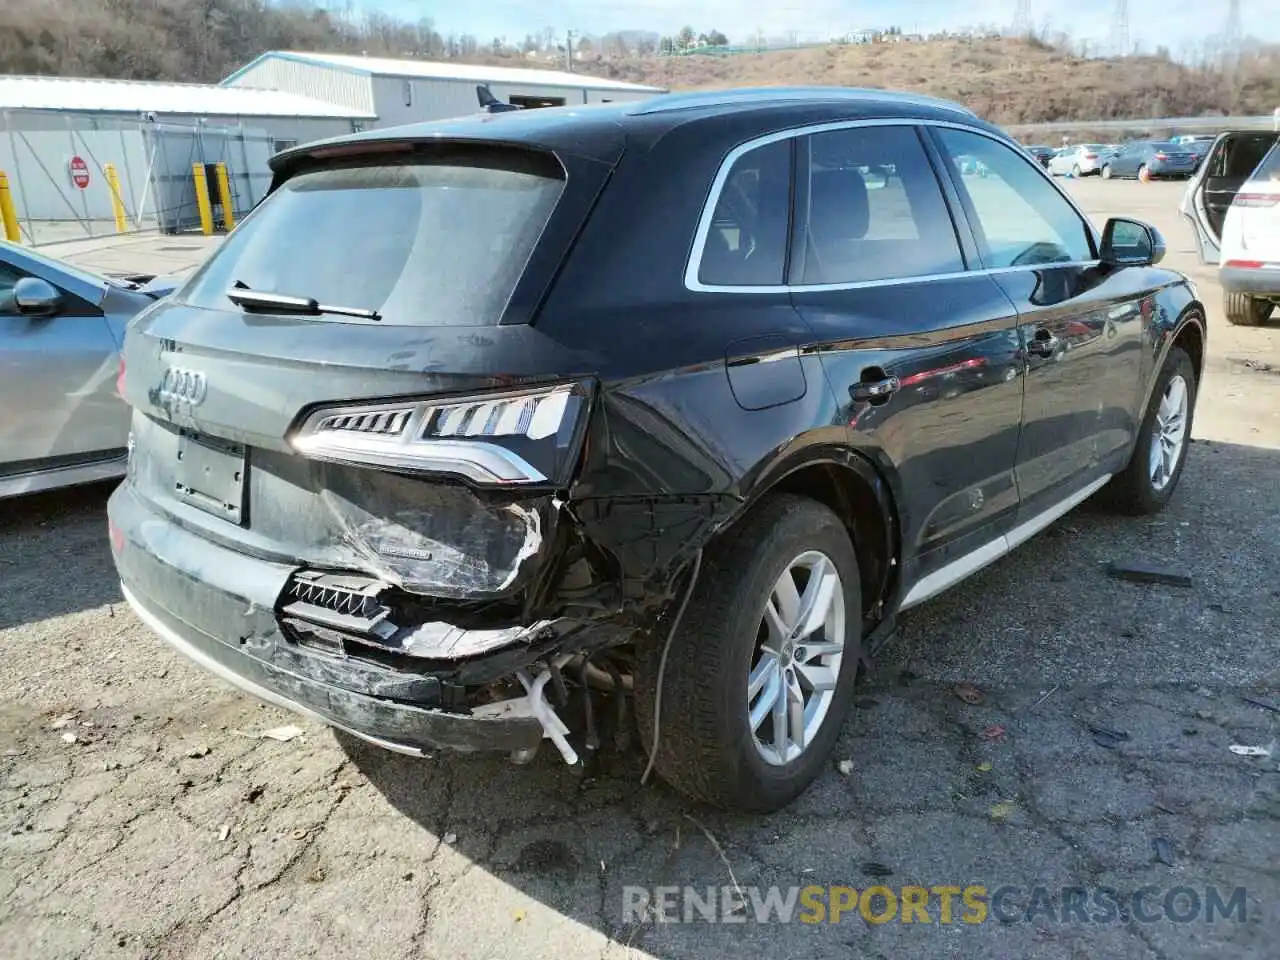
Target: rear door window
x: 876, y: 210
x: 429, y: 242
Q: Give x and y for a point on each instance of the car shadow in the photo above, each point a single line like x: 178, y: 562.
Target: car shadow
x: 938, y: 790
x: 55, y: 556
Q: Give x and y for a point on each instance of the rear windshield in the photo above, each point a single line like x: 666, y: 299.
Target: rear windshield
x: 1269, y: 168
x: 421, y: 242
x: 1240, y: 154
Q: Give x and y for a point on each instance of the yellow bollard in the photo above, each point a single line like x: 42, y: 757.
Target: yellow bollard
x: 224, y: 193
x: 8, y: 216
x: 202, y: 198
x: 117, y: 203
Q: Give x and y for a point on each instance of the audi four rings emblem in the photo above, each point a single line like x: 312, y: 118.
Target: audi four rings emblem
x: 183, y: 386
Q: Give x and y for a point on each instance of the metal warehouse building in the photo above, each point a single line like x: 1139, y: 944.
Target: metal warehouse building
x: 60, y: 136
x: 409, y: 91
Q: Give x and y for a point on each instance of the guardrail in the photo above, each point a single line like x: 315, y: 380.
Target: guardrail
x: 1189, y: 124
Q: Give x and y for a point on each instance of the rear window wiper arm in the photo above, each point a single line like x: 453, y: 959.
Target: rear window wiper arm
x: 259, y: 300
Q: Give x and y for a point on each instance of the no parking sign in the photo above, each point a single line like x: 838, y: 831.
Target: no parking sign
x: 79, y: 172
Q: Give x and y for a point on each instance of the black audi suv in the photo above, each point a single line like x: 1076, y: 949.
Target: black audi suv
x: 474, y: 424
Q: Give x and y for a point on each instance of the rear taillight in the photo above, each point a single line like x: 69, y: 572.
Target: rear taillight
x: 1091, y: 156
x: 1245, y: 264
x: 120, y: 378
x: 1256, y: 199
x: 1162, y: 156
x: 521, y: 438
x: 117, y: 537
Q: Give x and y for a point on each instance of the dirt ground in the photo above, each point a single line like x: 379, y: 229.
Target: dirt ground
x: 141, y: 815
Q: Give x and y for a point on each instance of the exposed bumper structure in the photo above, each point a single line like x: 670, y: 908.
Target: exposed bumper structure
x: 219, y: 611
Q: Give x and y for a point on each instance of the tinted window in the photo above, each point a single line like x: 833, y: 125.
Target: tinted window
x: 421, y: 243
x: 1021, y: 219
x: 1240, y: 154
x: 747, y: 242
x: 875, y: 209
x: 8, y: 277
x: 1269, y: 169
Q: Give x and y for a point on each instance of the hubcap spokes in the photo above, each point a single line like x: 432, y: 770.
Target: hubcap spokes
x: 1169, y: 435
x: 800, y: 645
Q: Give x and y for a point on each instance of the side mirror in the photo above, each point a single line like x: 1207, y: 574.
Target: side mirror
x: 36, y: 298
x: 1131, y: 243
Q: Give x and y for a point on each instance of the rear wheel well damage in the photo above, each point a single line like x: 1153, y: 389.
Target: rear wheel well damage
x: 864, y: 507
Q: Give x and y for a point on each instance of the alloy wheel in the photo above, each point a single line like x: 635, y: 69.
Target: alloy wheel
x: 799, y: 649
x: 1169, y: 435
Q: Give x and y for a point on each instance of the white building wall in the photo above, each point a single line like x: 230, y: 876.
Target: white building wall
x: 325, y: 83
x: 401, y: 100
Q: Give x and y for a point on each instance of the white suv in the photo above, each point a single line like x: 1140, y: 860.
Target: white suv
x: 1233, y: 204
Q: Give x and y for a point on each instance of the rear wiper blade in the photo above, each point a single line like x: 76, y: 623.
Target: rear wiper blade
x: 259, y: 300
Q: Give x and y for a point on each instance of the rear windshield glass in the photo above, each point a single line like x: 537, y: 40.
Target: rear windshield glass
x: 423, y: 242
x: 1269, y: 168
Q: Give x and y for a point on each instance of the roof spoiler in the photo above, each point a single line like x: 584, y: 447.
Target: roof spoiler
x: 491, y: 104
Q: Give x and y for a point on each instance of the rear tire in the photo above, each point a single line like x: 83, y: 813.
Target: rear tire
x: 1144, y: 175
x: 1243, y: 310
x: 1106, y: 172
x: 1149, y: 480
x: 708, y: 746
x: 1075, y: 172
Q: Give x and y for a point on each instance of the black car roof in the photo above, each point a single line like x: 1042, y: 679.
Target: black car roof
x: 587, y: 129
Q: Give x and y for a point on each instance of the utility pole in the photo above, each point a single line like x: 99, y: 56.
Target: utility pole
x: 568, y: 50
x: 1022, y: 18
x: 1120, y: 29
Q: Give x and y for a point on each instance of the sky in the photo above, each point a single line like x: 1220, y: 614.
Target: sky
x: 1173, y: 23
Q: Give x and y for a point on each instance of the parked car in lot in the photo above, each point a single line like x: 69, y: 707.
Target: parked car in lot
x: 1150, y: 159
x: 1080, y: 160
x: 61, y: 421
x: 1042, y: 153
x: 1233, y: 206
x: 1197, y: 144
x: 476, y: 422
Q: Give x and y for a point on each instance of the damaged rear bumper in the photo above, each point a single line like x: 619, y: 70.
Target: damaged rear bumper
x: 219, y: 610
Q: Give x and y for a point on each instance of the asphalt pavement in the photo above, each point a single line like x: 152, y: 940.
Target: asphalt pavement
x: 1040, y: 766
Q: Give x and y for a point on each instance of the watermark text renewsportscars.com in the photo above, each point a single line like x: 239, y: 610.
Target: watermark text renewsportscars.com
x: 971, y: 904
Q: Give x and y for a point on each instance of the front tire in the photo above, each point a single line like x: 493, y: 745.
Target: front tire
x: 1243, y: 310
x: 1148, y: 482
x: 760, y: 673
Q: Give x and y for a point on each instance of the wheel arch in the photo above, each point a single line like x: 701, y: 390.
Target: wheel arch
x: 860, y: 492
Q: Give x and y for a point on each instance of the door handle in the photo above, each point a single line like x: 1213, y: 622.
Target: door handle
x: 1043, y: 344
x: 874, y: 391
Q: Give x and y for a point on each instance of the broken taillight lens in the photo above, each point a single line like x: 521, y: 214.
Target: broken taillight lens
x: 518, y: 438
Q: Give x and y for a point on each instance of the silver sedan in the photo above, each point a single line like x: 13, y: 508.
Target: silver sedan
x: 61, y: 421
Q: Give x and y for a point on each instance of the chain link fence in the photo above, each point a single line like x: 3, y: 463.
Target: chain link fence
x: 78, y: 175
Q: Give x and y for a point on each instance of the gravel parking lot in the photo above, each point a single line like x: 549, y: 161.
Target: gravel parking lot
x: 142, y: 815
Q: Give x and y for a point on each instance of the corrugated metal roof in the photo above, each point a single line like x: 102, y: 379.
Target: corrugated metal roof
x: 138, y: 96
x: 387, y: 67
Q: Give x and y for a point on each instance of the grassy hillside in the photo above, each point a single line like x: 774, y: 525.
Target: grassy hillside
x: 1007, y: 81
